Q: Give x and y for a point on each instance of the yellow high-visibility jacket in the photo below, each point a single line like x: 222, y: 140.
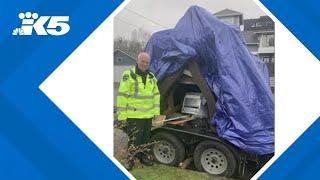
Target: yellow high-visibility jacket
x: 136, y: 100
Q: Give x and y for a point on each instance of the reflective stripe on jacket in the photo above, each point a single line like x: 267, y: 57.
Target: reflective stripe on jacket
x: 136, y: 99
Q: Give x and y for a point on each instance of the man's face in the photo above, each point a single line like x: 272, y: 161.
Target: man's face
x: 143, y: 61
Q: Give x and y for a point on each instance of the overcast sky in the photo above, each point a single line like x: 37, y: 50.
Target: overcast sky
x: 163, y: 14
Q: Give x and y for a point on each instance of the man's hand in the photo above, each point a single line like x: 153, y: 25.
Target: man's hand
x: 158, y: 120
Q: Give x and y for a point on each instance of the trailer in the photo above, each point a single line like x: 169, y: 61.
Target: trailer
x: 189, y: 106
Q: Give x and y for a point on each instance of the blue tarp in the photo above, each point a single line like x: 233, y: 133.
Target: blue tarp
x: 239, y: 80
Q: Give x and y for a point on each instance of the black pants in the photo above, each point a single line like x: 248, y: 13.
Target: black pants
x: 139, y: 131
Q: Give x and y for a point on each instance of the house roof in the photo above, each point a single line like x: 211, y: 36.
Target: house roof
x: 121, y: 58
x: 227, y: 12
x: 263, y: 23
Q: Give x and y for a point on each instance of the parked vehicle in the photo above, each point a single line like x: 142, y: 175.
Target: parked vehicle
x: 189, y: 106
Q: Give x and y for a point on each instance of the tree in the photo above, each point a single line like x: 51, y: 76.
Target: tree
x: 134, y: 45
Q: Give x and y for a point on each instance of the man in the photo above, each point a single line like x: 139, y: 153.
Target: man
x: 138, y: 101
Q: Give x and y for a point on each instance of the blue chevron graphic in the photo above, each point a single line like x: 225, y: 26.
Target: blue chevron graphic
x: 301, y: 160
x: 38, y: 141
x: 301, y: 18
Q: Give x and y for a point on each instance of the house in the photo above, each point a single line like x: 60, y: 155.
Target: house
x: 263, y: 28
x: 230, y: 17
x: 258, y: 34
x: 122, y: 62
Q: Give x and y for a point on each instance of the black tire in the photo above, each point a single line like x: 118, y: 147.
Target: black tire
x: 215, y: 158
x: 168, y: 145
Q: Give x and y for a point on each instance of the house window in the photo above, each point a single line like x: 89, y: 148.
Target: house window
x: 271, y: 69
x: 272, y: 60
x: 267, y: 40
x: 119, y: 59
x: 259, y: 24
x: 269, y: 23
x: 270, y: 39
x: 265, y: 59
x: 228, y: 20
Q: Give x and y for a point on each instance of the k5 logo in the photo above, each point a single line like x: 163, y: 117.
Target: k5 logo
x: 57, y: 25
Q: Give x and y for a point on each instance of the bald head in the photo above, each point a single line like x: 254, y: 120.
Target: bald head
x: 143, y: 61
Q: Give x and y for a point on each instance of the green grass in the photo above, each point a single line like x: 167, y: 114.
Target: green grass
x: 159, y: 172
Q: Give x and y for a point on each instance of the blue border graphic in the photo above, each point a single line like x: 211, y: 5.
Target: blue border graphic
x: 37, y: 140
x: 302, y: 159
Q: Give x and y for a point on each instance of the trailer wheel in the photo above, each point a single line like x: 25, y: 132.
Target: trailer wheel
x: 168, y: 150
x: 215, y: 158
